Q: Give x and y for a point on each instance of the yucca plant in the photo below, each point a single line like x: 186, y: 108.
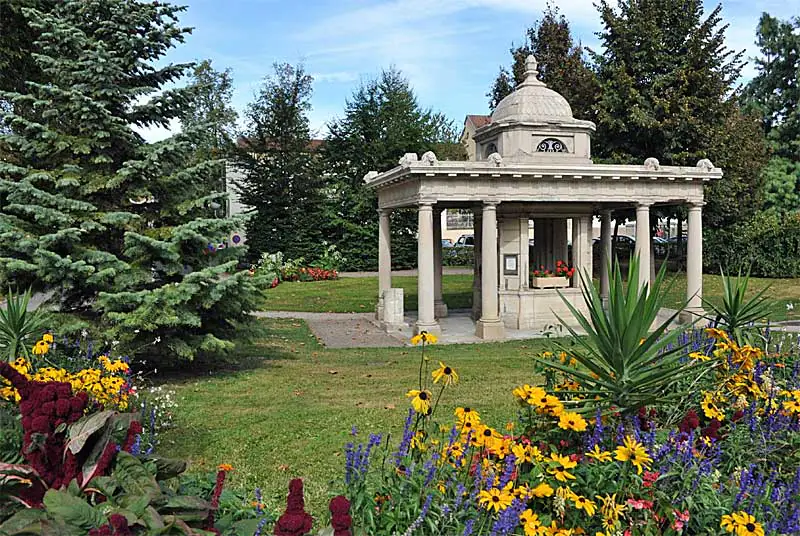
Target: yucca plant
x: 626, y: 359
x: 19, y: 327
x: 737, y: 314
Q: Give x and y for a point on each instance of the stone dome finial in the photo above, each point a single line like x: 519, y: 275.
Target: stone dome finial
x: 531, y: 67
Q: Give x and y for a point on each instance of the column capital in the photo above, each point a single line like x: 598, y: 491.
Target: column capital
x: 425, y: 205
x: 384, y: 211
x: 643, y: 204
x: 695, y: 205
x: 490, y: 205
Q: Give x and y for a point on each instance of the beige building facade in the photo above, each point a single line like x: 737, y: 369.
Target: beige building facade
x: 531, y: 163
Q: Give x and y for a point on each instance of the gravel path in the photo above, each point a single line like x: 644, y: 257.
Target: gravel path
x: 342, y: 330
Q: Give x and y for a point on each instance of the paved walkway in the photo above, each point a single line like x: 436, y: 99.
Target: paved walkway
x: 342, y: 330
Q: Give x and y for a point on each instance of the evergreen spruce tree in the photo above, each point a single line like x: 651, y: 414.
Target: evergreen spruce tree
x: 562, y: 65
x: 382, y: 122
x: 282, y: 181
x: 90, y: 211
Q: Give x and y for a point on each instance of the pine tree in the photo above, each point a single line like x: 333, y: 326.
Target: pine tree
x: 382, y: 122
x: 90, y: 211
x: 282, y: 181
x: 213, y: 117
x: 562, y: 65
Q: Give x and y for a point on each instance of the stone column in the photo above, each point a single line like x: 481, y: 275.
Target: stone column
x: 439, y: 307
x: 524, y: 261
x: 384, y: 258
x: 426, y: 319
x: 489, y: 326
x: 477, y: 230
x: 643, y: 243
x: 606, y: 255
x: 694, y: 261
x: 581, y: 252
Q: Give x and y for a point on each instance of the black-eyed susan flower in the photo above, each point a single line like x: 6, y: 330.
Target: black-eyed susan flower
x: 48, y: 338
x: 598, y: 454
x: 40, y: 348
x: 497, y: 499
x: 447, y: 375
x: 424, y: 337
x: 542, y: 490
x: 467, y: 414
x: 742, y: 523
x: 634, y: 452
x: 610, y: 509
x: 560, y: 466
x: 420, y: 400
x: 571, y: 421
x: 582, y: 503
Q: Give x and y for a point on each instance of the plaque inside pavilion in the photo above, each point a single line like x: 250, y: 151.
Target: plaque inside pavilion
x: 532, y: 163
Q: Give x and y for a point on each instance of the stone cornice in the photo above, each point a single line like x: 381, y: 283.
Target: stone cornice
x: 546, y: 172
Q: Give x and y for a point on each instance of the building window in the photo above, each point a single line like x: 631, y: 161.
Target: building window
x: 490, y: 149
x: 551, y: 145
x: 459, y: 219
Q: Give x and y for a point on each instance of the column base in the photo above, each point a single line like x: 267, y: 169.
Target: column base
x: 434, y: 328
x: 440, y: 309
x: 490, y: 329
x: 692, y: 315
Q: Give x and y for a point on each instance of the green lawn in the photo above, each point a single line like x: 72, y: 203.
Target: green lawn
x: 359, y: 294
x: 348, y: 295
x: 288, y: 410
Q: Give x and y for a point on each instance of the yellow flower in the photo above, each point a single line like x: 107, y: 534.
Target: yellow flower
x: 420, y: 400
x: 571, y: 421
x: 699, y: 356
x: 742, y: 523
x: 599, y: 455
x: 418, y: 441
x: 40, y: 348
x: 548, y: 404
x: 792, y: 406
x: 634, y: 452
x: 582, y: 503
x: 716, y: 333
x: 48, y: 338
x: 447, y: 375
x: 495, y: 498
x: 526, y: 393
x: 423, y: 337
x: 708, y: 404
x: 610, y: 509
x: 225, y: 467
x: 488, y: 437
x: 542, y: 490
x: 530, y: 523
x: 467, y: 415
x: 561, y: 466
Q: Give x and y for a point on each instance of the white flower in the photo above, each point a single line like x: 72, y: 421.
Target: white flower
x: 136, y: 331
x: 157, y: 340
x: 790, y: 307
x: 84, y: 333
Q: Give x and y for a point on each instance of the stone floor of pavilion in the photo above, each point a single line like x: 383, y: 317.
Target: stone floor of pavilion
x: 458, y: 327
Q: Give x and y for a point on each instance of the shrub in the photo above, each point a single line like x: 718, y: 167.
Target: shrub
x: 458, y: 256
x: 768, y: 245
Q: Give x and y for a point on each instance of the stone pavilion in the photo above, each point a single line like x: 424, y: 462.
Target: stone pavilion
x: 532, y: 163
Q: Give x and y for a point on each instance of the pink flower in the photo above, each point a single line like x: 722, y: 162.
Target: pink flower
x: 640, y: 504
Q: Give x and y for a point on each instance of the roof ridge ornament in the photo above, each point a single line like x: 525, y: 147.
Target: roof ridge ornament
x: 705, y: 164
x: 652, y: 164
x: 429, y: 158
x: 495, y: 159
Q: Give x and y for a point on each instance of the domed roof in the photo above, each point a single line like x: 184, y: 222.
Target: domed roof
x: 533, y: 101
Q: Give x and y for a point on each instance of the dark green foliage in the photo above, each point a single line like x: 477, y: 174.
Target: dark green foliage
x: 629, y: 360
x: 382, y: 122
x: 768, y: 244
x: 774, y: 91
x: 782, y: 185
x: 282, y: 180
x: 114, y: 226
x: 10, y: 435
x: 562, y: 65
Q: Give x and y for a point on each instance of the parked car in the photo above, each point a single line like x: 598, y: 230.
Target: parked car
x: 447, y: 243
x: 466, y: 240
x: 623, y: 247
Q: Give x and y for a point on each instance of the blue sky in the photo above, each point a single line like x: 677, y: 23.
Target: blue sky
x: 450, y: 50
